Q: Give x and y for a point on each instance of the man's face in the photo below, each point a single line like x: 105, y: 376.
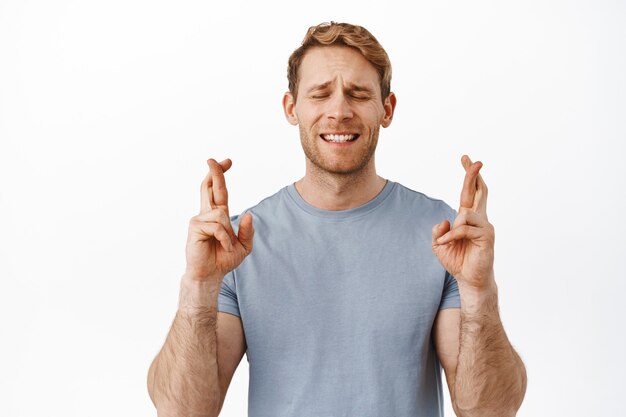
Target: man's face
x: 339, y: 109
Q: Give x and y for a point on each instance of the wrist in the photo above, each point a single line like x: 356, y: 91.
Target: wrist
x: 198, y: 294
x: 479, y: 299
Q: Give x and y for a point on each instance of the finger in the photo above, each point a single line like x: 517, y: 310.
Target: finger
x: 480, y: 196
x: 219, y: 193
x: 246, y: 232
x: 466, y: 161
x: 206, y: 201
x: 469, y: 183
x: 225, y: 164
x: 469, y: 216
x: 480, y: 200
x: 461, y: 232
x: 440, y: 229
x: 205, y: 194
x: 216, y: 231
x: 215, y: 216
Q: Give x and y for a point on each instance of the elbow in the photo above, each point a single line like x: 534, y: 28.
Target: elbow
x: 483, y: 411
x: 171, y: 405
x: 504, y: 405
x: 163, y: 412
x: 150, y: 382
x: 496, y: 399
x: 168, y: 409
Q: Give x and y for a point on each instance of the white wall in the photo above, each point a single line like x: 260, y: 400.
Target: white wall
x: 108, y: 111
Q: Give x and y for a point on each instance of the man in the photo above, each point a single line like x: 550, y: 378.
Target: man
x: 348, y: 305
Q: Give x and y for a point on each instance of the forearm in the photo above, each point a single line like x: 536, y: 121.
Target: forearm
x: 183, y: 378
x: 490, y: 377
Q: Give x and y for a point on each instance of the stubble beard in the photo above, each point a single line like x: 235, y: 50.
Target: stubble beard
x: 323, y: 166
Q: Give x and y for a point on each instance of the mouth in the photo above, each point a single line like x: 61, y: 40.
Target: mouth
x: 339, y: 138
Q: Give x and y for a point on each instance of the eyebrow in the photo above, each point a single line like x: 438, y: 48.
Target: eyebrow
x: 359, y: 88
x: 351, y: 87
x: 318, y: 87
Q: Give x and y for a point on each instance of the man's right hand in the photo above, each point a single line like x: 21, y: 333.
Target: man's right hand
x: 213, y: 248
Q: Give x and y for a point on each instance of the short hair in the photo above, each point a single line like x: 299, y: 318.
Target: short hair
x: 344, y: 34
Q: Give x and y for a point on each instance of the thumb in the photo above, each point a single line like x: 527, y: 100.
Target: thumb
x: 246, y: 232
x: 439, y: 230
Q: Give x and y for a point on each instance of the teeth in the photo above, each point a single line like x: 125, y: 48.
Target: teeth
x: 339, y: 138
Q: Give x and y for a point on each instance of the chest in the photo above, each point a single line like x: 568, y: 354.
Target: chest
x: 336, y: 289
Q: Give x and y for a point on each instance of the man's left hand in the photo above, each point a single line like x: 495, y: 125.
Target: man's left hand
x: 466, y: 249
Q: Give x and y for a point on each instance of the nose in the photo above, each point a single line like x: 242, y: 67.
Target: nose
x: 339, y: 108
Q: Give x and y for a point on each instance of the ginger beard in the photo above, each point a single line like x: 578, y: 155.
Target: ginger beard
x: 348, y: 160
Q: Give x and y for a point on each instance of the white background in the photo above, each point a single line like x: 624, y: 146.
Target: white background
x: 109, y: 109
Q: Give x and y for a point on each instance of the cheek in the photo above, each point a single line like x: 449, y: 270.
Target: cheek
x: 375, y: 112
x: 308, y: 118
x: 302, y: 113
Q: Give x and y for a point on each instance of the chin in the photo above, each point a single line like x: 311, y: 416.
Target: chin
x: 341, y: 168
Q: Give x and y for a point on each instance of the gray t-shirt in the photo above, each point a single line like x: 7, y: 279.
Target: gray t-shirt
x: 337, y: 306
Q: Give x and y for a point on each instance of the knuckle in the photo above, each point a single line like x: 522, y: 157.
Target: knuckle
x: 211, y: 228
x: 219, y: 213
x: 222, y: 218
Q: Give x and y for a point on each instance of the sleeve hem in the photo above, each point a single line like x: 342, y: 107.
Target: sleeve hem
x: 449, y: 305
x: 229, y: 309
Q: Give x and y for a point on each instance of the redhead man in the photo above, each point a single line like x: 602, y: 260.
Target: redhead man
x: 357, y: 290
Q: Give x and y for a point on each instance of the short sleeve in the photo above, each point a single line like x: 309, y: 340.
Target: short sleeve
x: 450, y: 297
x: 227, y: 298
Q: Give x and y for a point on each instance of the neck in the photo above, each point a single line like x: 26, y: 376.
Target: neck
x: 330, y: 191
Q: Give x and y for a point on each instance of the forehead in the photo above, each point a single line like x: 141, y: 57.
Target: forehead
x: 322, y: 64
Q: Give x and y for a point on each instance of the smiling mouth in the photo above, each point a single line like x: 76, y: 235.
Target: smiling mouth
x: 339, y: 138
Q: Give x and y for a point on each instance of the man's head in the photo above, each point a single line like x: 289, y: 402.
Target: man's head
x: 342, y: 34
x: 339, y: 97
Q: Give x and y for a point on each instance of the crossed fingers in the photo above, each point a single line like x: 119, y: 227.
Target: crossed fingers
x: 474, y: 192
x: 213, y: 192
x: 471, y: 221
x: 214, y: 204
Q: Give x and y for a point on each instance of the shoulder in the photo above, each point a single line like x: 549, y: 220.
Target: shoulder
x: 264, y: 208
x: 421, y: 203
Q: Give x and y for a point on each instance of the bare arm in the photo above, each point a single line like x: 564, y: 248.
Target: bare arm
x: 191, y: 373
x: 183, y: 379
x: 485, y: 375
x: 490, y: 376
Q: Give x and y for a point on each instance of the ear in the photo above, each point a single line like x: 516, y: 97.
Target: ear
x: 389, y: 105
x: 289, y: 107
